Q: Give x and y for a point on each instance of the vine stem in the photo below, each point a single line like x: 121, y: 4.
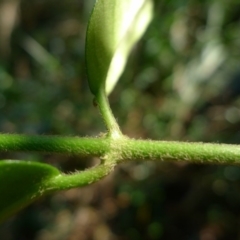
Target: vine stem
x: 54, y: 144
x: 124, y: 149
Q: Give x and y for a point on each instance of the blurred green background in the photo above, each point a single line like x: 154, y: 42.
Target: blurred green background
x: 182, y: 82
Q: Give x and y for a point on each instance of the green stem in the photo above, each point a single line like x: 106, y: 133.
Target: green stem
x: 54, y: 144
x: 124, y: 149
x: 107, y: 115
x: 79, y: 179
x: 206, y: 153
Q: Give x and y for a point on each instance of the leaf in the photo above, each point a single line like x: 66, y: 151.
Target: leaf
x: 114, y: 27
x: 21, y: 183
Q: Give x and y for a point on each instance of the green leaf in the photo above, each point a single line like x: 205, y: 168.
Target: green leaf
x: 114, y: 27
x: 21, y: 183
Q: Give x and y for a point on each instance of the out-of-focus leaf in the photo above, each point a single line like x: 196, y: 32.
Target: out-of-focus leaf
x: 114, y: 27
x: 21, y: 183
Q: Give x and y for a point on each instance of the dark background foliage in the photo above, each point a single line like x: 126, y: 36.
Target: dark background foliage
x: 182, y: 82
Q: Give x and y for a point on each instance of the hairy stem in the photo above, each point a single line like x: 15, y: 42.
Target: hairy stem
x: 79, y: 179
x: 181, y: 151
x: 124, y: 149
x: 54, y: 144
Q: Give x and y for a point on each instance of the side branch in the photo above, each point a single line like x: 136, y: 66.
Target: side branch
x: 79, y: 179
